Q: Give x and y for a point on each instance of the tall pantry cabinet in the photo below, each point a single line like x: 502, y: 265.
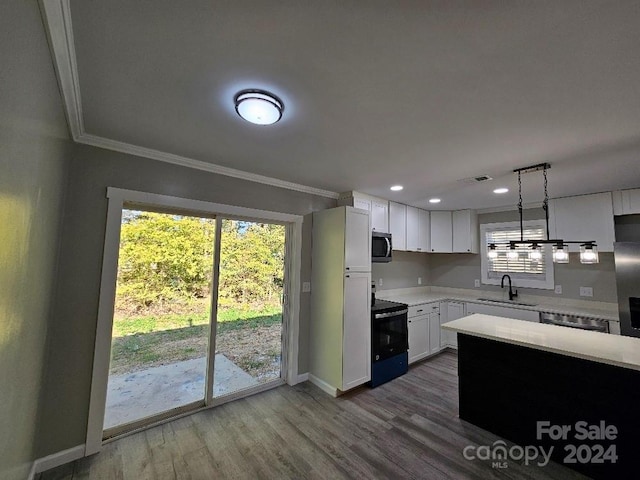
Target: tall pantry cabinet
x: 340, y: 330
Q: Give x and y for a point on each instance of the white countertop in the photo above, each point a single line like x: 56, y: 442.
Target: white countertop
x: 417, y: 296
x: 595, y: 346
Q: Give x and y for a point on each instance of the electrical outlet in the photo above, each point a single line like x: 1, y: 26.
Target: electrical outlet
x: 306, y: 287
x: 419, y: 280
x: 586, y: 291
x: 380, y: 282
x: 558, y: 289
x: 476, y: 283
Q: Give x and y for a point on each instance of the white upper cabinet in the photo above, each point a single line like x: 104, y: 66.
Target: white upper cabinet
x: 380, y: 216
x: 357, y: 241
x: 418, y: 228
x: 626, y: 202
x: 441, y: 232
x: 465, y: 231
x: 585, y: 217
x: 378, y: 208
x: 398, y: 225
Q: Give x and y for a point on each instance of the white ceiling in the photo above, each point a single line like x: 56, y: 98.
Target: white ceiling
x: 420, y: 93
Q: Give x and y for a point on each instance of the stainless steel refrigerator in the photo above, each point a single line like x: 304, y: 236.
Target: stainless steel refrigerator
x: 627, y: 257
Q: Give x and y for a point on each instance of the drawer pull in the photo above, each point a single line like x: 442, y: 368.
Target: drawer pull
x: 418, y: 311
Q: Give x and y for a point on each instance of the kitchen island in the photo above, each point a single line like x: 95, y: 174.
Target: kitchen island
x: 548, y: 386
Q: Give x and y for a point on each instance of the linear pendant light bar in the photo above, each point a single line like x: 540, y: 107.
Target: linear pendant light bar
x: 588, y: 248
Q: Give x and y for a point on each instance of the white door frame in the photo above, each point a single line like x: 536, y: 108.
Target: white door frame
x: 117, y: 198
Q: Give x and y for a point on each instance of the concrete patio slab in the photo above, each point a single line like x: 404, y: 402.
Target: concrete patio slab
x: 137, y: 395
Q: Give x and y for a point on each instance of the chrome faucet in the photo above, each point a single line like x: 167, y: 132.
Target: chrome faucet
x: 512, y: 294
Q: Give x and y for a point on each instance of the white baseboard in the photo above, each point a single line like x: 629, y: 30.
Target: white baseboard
x: 59, y: 458
x: 324, y: 386
x: 303, y: 377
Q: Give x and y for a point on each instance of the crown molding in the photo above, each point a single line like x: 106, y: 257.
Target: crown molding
x: 138, y: 151
x: 56, y: 16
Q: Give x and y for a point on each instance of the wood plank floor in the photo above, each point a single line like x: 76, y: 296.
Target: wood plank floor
x: 407, y: 428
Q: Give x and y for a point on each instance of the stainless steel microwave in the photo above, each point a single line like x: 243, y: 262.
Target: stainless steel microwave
x: 381, y: 247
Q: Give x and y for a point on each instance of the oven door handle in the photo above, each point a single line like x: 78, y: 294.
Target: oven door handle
x: 390, y: 314
x: 388, y: 247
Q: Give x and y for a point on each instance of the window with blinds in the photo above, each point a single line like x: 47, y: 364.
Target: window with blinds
x: 529, y: 273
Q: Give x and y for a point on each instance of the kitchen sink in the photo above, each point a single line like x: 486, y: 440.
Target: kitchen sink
x: 507, y: 302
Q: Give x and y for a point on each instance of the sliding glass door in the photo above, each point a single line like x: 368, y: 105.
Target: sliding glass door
x: 189, y: 330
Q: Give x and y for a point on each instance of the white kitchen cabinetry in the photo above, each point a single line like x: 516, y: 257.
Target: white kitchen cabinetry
x: 424, y: 331
x: 418, y: 228
x: 418, y: 337
x: 508, y: 312
x: 441, y: 232
x: 398, y: 225
x: 465, y: 231
x: 378, y: 208
x: 380, y: 216
x: 585, y: 217
x: 356, y: 361
x: 340, y: 327
x: 626, y: 202
x: 454, y: 310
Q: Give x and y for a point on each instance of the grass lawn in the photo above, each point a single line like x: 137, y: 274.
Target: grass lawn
x: 146, y: 341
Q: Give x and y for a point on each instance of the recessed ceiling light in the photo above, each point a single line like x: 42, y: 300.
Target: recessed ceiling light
x: 434, y: 200
x: 501, y: 190
x: 259, y: 106
x: 397, y: 188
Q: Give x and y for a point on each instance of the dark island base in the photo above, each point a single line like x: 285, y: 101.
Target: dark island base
x: 506, y: 389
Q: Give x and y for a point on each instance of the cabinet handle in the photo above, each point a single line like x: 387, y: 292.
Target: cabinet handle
x: 418, y: 311
x: 347, y: 268
x: 409, y: 321
x: 348, y: 276
x: 433, y: 249
x: 468, y: 249
x: 419, y: 249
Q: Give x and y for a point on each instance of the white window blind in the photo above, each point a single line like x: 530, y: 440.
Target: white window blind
x: 524, y: 272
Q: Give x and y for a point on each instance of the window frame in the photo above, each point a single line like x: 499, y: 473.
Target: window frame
x: 547, y: 283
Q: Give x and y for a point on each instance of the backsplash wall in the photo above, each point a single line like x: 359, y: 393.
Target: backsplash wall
x: 460, y: 270
x: 402, y: 272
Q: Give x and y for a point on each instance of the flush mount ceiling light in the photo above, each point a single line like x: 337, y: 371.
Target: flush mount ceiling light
x: 259, y: 106
x: 397, y: 188
x: 501, y: 190
x: 588, y: 248
x: 434, y: 200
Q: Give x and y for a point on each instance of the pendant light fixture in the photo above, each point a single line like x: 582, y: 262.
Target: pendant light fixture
x: 259, y: 106
x: 560, y: 248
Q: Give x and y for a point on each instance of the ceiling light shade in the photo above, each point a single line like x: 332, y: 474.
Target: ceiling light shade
x: 492, y: 253
x: 560, y: 253
x: 535, y: 254
x: 397, y: 188
x: 501, y: 190
x: 589, y: 253
x: 512, y: 253
x: 259, y: 106
x: 434, y: 200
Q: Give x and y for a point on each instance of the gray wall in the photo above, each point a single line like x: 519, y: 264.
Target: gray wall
x: 92, y: 170
x: 33, y: 151
x: 402, y: 272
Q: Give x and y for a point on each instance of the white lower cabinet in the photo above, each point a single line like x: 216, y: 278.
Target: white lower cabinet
x: 418, y: 337
x: 424, y: 331
x: 454, y: 310
x: 356, y: 333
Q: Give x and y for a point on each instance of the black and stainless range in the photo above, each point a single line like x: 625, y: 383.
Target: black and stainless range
x: 389, y: 341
